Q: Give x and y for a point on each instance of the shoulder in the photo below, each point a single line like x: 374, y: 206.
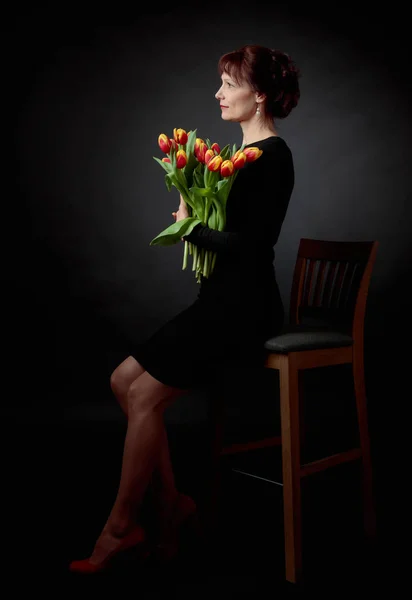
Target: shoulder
x: 275, y: 152
x: 274, y: 145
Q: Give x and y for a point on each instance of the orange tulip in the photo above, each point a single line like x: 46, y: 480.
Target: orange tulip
x: 239, y: 159
x: 214, y: 163
x: 227, y: 168
x: 164, y: 143
x: 201, y: 151
x: 181, y: 159
x: 180, y: 136
x: 216, y: 148
x: 209, y: 154
x: 252, y: 153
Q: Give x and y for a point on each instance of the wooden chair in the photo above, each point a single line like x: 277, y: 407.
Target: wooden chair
x: 327, y: 310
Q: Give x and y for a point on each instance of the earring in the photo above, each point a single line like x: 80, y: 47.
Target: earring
x: 258, y: 110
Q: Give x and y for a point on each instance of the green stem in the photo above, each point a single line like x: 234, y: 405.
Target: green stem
x: 206, y: 264
x: 213, y: 261
x: 195, y: 256
x: 185, y: 254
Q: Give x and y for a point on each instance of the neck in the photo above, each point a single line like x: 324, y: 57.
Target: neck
x: 254, y: 130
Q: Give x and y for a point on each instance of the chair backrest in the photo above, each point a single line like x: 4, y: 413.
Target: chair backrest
x: 331, y: 282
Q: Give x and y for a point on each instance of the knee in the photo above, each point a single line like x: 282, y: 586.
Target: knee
x: 117, y: 382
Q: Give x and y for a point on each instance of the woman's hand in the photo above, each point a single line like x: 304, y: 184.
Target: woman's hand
x: 182, y: 212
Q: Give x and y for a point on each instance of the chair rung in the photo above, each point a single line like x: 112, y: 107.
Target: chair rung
x: 330, y: 461
x: 236, y: 448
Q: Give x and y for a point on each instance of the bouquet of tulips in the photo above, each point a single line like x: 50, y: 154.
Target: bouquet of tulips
x: 204, y: 175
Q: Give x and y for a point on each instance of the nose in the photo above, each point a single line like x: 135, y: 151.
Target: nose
x: 218, y: 94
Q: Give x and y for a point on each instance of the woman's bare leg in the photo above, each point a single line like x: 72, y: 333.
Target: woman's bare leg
x: 146, y: 400
x: 163, y: 480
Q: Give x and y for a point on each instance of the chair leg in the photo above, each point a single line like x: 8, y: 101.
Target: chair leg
x: 289, y: 413
x: 302, y: 431
x: 367, y: 478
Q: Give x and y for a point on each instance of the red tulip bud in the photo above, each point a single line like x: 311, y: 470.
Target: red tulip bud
x: 164, y: 143
x: 214, y: 163
x: 216, y: 148
x: 209, y: 154
x: 252, y: 153
x: 166, y: 159
x: 198, y: 143
x: 174, y: 145
x: 239, y: 159
x: 181, y: 159
x: 180, y: 136
x: 227, y: 168
x: 201, y: 151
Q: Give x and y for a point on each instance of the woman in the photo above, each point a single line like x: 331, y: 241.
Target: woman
x: 238, y: 307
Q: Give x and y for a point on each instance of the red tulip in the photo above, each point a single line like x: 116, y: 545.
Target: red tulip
x: 181, y: 159
x: 209, y: 154
x: 214, y: 163
x: 216, y: 148
x: 226, y: 168
x: 164, y: 143
x: 200, y: 152
x: 239, y: 159
x: 180, y: 136
x: 198, y: 143
x: 166, y: 159
x: 252, y: 153
x: 174, y: 145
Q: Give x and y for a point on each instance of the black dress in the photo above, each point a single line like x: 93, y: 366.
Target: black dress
x: 239, y: 306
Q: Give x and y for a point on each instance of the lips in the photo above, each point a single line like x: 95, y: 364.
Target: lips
x: 222, y: 106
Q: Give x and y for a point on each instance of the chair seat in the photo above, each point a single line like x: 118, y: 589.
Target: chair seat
x: 306, y: 337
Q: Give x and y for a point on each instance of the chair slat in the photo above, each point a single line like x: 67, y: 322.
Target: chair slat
x: 308, y: 283
x: 337, y: 285
x: 317, y: 298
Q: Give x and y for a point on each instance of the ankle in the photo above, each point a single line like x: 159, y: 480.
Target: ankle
x: 119, y: 529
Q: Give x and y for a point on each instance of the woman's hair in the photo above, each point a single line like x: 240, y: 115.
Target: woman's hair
x: 267, y: 71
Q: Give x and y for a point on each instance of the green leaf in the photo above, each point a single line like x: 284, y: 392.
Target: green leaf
x: 190, y: 145
x: 168, y: 181
x: 225, y: 153
x: 165, y: 165
x: 199, y: 195
x: 198, y: 175
x: 212, y: 221
x: 172, y: 234
x: 201, y: 191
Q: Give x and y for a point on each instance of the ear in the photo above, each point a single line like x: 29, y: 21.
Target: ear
x: 260, y: 98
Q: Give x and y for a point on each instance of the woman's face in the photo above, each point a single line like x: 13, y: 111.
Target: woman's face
x: 237, y: 100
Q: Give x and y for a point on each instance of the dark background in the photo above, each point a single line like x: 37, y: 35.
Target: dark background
x: 90, y: 90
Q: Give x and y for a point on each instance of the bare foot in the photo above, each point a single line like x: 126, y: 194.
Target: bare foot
x: 108, y: 543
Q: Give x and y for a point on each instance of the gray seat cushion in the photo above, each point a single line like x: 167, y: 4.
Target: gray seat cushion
x: 307, y: 337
